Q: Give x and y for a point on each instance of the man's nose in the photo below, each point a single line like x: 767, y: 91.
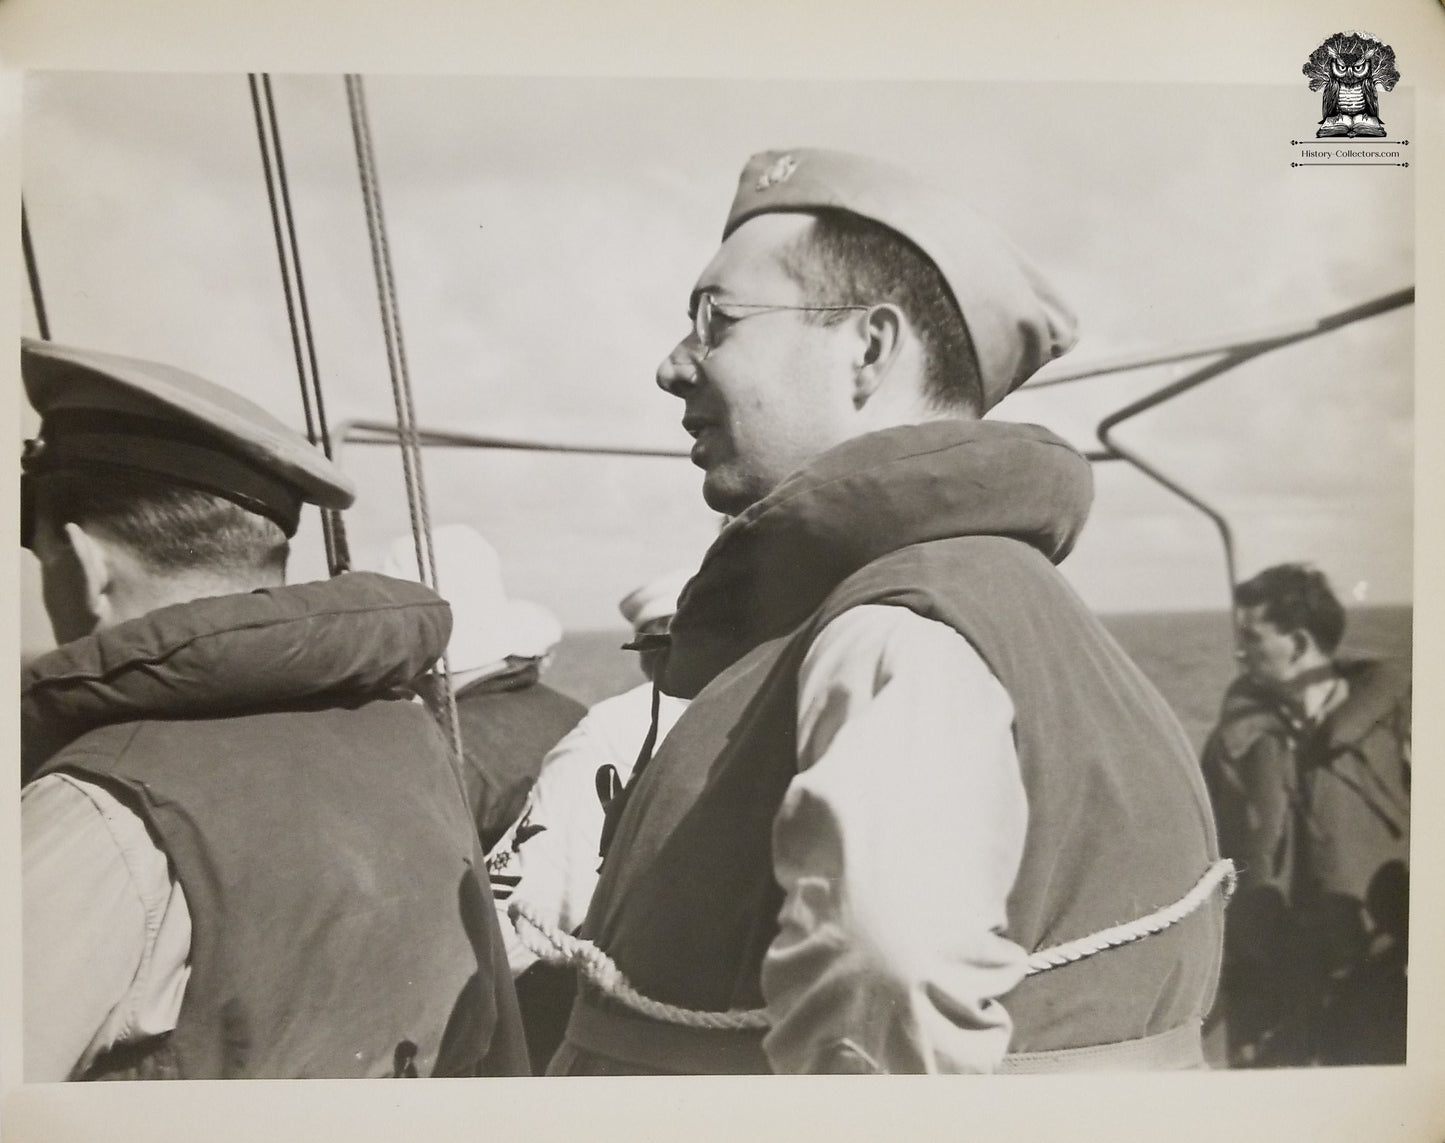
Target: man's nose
x: 678, y: 370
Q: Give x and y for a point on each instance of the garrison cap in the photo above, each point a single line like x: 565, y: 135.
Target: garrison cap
x: 102, y: 413
x: 1015, y: 319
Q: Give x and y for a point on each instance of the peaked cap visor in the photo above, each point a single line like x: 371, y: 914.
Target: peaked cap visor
x: 103, y: 409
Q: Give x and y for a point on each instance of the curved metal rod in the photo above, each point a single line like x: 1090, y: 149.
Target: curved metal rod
x: 1148, y: 359
x: 1233, y: 353
x: 1198, y: 377
x: 1236, y: 356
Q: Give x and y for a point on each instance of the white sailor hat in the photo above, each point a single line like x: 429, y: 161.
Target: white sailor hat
x: 654, y: 600
x: 1015, y: 319
x: 488, y: 627
x: 104, y: 414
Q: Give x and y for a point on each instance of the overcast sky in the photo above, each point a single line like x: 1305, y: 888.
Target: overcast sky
x: 545, y: 235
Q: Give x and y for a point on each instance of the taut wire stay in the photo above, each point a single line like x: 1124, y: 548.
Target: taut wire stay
x: 298, y: 313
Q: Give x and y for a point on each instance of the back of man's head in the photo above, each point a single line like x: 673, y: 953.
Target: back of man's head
x: 170, y: 531
x: 1296, y: 597
x: 149, y: 486
x: 846, y: 259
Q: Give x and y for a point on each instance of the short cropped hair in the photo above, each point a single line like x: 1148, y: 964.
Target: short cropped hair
x: 845, y: 259
x: 1296, y: 597
x: 170, y: 529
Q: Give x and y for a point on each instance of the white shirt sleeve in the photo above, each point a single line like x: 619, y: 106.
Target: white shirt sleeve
x: 896, y: 847
x: 106, y: 930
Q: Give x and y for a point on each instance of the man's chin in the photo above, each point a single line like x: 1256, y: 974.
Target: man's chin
x: 725, y: 495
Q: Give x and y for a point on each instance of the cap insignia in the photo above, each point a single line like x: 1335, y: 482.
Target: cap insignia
x: 780, y: 172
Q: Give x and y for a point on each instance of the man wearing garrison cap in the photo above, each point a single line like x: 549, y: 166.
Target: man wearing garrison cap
x: 245, y: 850
x: 913, y: 764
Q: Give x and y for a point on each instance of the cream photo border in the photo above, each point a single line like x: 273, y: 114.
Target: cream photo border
x: 1228, y: 41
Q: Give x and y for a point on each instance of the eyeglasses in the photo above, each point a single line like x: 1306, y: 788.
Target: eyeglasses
x: 708, y: 314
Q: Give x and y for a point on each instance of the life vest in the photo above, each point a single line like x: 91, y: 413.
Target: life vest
x: 958, y: 522
x: 341, y: 925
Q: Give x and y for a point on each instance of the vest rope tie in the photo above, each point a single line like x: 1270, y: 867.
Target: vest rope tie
x: 1220, y: 873
x: 554, y: 946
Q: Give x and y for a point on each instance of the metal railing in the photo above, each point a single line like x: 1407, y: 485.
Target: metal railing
x: 1226, y: 352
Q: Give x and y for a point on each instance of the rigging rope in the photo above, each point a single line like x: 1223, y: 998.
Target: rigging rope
x: 411, y: 465
x: 303, y: 345
x: 32, y: 271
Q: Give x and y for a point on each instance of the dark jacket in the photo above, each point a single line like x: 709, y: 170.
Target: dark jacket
x: 959, y: 523
x: 1250, y: 770
x: 1356, y: 783
x: 340, y: 922
x: 1317, y: 817
x: 509, y: 722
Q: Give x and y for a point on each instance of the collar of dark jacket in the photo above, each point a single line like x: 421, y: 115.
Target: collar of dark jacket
x: 773, y: 565
x: 519, y: 673
x: 1378, y: 688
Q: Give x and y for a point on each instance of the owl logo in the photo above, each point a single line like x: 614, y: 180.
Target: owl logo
x: 1352, y: 68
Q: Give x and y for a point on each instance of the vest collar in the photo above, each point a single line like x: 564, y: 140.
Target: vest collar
x: 336, y: 640
x: 773, y: 565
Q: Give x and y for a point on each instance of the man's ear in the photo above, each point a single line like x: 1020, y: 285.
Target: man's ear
x: 883, y: 329
x: 1302, y: 643
x: 97, y: 571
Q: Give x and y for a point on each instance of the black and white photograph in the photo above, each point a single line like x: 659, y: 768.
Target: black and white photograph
x: 565, y: 572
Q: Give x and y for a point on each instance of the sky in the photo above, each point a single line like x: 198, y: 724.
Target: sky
x: 545, y: 235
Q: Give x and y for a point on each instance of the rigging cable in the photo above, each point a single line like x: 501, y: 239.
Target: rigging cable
x: 411, y: 465
x: 32, y: 271
x: 303, y: 345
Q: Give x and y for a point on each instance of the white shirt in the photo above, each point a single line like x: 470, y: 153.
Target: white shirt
x: 896, y: 846
x: 106, y: 933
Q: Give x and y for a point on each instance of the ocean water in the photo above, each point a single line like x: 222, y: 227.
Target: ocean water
x: 1187, y: 655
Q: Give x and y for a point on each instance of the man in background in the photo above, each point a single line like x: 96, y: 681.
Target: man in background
x: 245, y: 854
x: 549, y: 858
x: 499, y: 646
x: 1309, y: 773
